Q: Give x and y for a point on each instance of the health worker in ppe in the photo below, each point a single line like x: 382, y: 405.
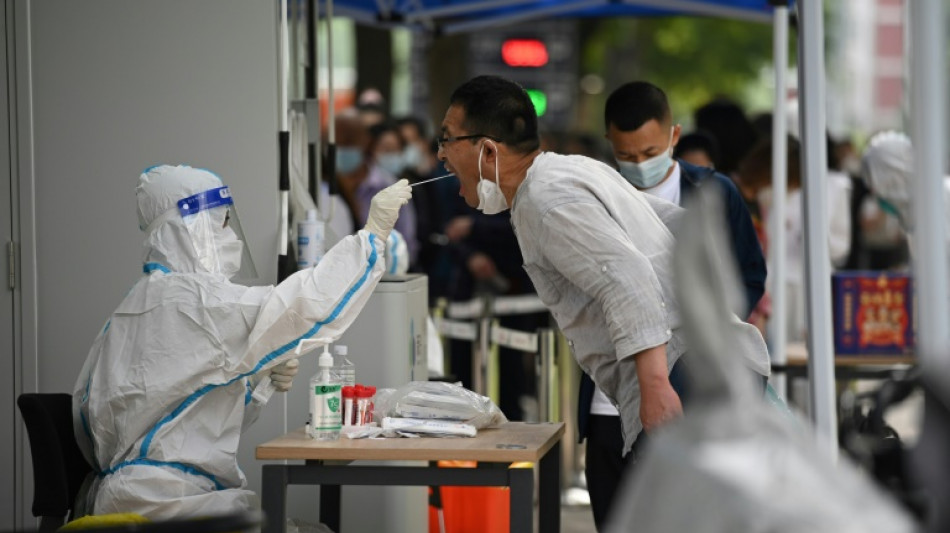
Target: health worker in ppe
x: 178, y: 370
x: 887, y: 167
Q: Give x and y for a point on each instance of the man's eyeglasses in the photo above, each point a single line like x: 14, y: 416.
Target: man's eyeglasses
x: 445, y: 140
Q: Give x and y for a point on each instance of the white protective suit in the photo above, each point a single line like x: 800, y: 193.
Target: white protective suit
x: 888, y: 169
x: 397, y: 254
x: 165, y: 392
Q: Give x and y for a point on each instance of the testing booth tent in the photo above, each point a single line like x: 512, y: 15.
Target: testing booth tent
x: 927, y: 84
x: 37, y: 86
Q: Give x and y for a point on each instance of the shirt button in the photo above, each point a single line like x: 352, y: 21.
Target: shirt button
x: 668, y: 332
x: 662, y: 304
x: 603, y: 269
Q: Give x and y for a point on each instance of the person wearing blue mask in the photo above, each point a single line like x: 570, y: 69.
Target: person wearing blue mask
x: 387, y: 147
x: 642, y: 136
x: 598, y: 251
x: 360, y: 176
x: 432, y: 204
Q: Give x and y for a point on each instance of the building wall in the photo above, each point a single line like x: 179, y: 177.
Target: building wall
x: 889, y: 63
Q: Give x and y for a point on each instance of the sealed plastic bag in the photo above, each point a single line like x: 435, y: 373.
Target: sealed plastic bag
x: 435, y: 428
x: 437, y: 400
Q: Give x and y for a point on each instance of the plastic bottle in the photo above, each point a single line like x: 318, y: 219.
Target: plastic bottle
x: 310, y: 236
x: 344, y: 367
x: 325, y: 402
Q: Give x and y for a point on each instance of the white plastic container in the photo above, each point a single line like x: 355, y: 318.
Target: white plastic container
x: 310, y: 240
x: 326, y: 404
x: 344, y: 368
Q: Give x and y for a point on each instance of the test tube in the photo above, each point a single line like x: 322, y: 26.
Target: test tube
x: 349, y: 397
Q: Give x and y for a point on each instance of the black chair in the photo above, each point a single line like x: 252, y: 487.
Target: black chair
x: 59, y: 467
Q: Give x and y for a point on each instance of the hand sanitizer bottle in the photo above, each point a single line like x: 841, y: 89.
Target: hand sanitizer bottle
x: 310, y: 239
x: 325, y: 403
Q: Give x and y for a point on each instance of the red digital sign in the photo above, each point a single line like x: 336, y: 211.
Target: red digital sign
x: 524, y: 53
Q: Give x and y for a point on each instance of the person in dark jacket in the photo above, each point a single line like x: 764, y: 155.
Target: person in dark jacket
x: 697, y: 148
x: 642, y: 136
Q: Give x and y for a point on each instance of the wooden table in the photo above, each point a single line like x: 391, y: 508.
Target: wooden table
x: 846, y: 366
x: 494, y: 448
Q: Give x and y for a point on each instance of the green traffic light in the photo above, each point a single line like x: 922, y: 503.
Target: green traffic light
x: 539, y: 99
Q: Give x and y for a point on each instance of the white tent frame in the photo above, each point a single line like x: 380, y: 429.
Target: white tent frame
x: 821, y: 365
x: 777, y: 267
x: 929, y: 244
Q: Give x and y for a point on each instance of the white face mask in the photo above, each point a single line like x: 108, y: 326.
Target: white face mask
x: 223, y: 254
x: 491, y: 200
x: 649, y: 173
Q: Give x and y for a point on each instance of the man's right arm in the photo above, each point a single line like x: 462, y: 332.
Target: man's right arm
x: 659, y: 403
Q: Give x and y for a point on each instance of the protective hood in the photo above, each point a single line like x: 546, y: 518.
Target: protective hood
x: 190, y: 223
x: 887, y: 167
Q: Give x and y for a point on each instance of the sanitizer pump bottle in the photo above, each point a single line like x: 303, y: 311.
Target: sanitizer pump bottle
x: 325, y: 402
x: 310, y: 238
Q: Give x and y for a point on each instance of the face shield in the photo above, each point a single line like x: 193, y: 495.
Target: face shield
x: 215, y: 230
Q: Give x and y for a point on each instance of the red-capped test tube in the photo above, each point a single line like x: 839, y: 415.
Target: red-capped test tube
x: 370, y: 393
x: 363, y: 414
x: 348, y: 394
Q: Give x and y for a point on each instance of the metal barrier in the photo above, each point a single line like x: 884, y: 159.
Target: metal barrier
x: 476, y: 321
x: 556, y: 372
x: 542, y: 345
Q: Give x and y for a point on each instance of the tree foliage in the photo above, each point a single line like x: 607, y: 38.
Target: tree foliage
x: 692, y: 59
